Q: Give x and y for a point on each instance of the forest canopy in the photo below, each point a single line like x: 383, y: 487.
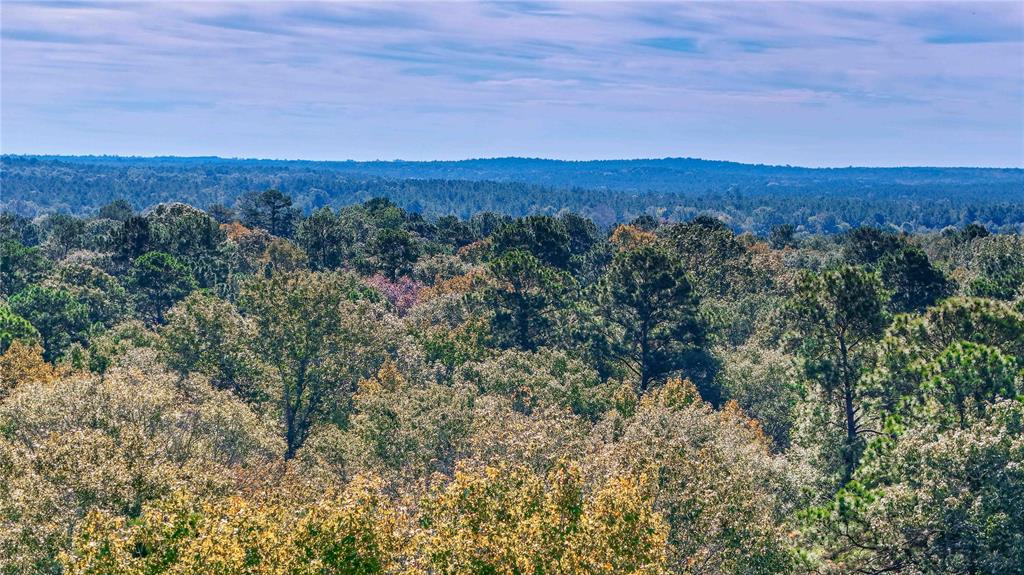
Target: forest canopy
x: 749, y: 198
x: 277, y: 386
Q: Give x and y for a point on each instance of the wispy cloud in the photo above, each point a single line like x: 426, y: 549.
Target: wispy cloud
x: 671, y: 43
x: 812, y: 83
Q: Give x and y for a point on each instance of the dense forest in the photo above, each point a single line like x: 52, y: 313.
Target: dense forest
x: 271, y: 386
x: 748, y: 198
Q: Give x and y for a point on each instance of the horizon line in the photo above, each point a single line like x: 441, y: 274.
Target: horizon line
x: 493, y: 158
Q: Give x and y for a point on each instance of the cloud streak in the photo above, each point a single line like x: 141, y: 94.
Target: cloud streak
x: 801, y: 83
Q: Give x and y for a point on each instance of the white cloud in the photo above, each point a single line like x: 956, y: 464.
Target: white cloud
x: 838, y: 82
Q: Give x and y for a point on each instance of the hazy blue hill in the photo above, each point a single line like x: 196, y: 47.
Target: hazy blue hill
x: 748, y: 196
x: 662, y: 175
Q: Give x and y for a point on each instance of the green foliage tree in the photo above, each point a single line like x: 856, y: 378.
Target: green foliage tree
x: 539, y: 380
x: 710, y: 252
x: 908, y: 353
x: 323, y: 236
x: 132, y: 239
x: 838, y: 315
x: 192, y: 236
x: 319, y: 334
x: 782, y: 236
x: 650, y: 308
x: 270, y: 210
x: 60, y: 318
x: 400, y: 430
x: 118, y: 210
x: 933, y: 500
x: 393, y: 253
x: 453, y: 231
x: 207, y: 335
x: 18, y: 229
x: 223, y: 214
x: 912, y: 281
x: 997, y: 265
x: 583, y: 233
x: 721, y: 492
x: 158, y: 281
x: 20, y: 266
x: 13, y: 328
x: 964, y: 381
x: 867, y: 245
x: 64, y: 233
x: 101, y: 292
x: 542, y: 236
x: 524, y: 295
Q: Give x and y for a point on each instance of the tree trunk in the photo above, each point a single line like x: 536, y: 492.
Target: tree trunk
x: 849, y: 457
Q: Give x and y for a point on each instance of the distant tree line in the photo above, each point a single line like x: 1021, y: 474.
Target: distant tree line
x: 747, y: 198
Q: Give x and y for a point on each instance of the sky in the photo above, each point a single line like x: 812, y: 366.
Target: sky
x: 811, y: 84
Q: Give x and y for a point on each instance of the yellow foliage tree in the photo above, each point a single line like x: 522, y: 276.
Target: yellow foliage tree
x: 23, y: 363
x: 508, y: 520
x: 356, y: 532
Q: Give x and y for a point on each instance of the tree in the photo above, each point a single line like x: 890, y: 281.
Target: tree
x: 392, y: 252
x: 64, y: 233
x: 971, y: 232
x: 400, y: 430
x: 648, y: 302
x: 997, y: 267
x: 270, y: 210
x: 506, y: 519
x: 709, y: 250
x: 223, y: 214
x: 158, y: 281
x: 913, y: 344
x: 534, y: 381
x: 356, y: 531
x: 320, y: 334
x: 452, y: 231
x: 524, y: 295
x: 185, y: 232
x: 583, y: 233
x: 963, y: 382
x: 192, y: 237
x: 782, y: 236
x: 722, y: 494
x: 911, y: 279
x: 60, y: 318
x: 324, y: 238
x: 18, y: 229
x: 20, y: 266
x: 645, y: 222
x: 384, y: 213
x: 101, y: 292
x: 110, y: 444
x: 542, y: 236
x: 132, y: 239
x: 867, y: 245
x: 283, y: 256
x: 119, y: 210
x: 929, y: 499
x: 207, y: 335
x: 838, y: 315
x: 766, y: 385
x: 14, y: 328
x: 22, y: 364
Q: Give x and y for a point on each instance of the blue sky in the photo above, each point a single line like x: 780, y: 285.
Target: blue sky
x: 816, y: 84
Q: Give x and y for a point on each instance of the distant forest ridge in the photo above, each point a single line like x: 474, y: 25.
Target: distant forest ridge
x: 748, y: 197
